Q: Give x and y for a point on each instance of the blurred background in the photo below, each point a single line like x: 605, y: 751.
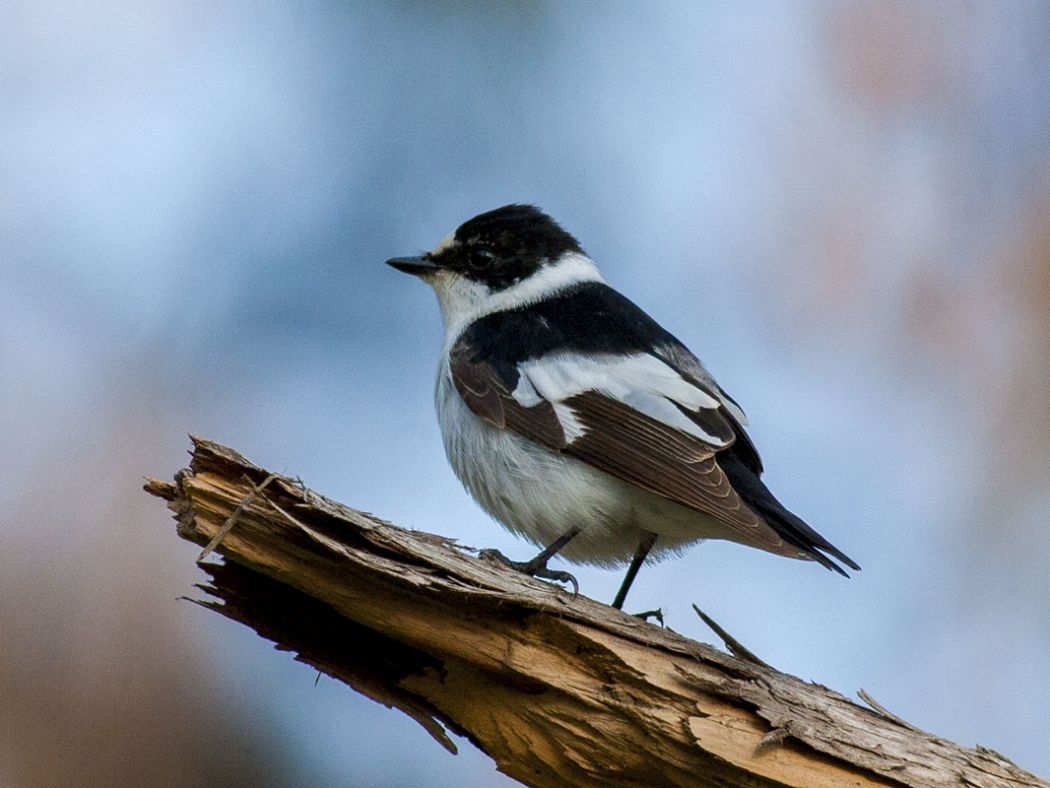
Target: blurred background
x: 841, y: 207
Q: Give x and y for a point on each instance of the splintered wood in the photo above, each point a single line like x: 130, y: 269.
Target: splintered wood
x: 557, y: 689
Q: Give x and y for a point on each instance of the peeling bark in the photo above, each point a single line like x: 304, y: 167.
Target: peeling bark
x: 556, y: 689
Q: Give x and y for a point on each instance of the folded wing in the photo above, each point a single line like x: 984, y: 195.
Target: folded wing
x: 633, y: 416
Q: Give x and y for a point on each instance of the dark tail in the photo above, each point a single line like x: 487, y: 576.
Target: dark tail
x: 791, y: 528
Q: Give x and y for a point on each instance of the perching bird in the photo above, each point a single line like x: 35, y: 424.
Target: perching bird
x: 575, y: 420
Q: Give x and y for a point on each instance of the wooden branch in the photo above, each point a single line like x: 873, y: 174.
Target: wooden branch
x: 559, y: 690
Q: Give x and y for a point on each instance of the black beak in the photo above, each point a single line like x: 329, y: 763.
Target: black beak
x: 417, y: 266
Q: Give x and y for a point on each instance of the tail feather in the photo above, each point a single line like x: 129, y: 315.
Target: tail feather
x: 796, y: 531
x: 791, y: 528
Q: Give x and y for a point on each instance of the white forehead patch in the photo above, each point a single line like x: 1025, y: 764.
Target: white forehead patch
x: 446, y: 243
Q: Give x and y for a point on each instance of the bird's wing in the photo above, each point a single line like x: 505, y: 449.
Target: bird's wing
x: 679, y: 357
x: 633, y: 416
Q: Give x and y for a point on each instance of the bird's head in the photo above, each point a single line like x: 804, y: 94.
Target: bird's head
x: 498, y: 260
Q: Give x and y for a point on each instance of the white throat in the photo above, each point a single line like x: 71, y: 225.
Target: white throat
x: 463, y: 301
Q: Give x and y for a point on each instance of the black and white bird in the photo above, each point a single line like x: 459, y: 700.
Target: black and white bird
x: 576, y: 420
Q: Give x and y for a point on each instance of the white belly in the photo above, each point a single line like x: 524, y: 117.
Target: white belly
x: 540, y: 494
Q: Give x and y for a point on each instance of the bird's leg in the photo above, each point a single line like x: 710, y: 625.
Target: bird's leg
x: 636, y: 563
x: 537, y: 567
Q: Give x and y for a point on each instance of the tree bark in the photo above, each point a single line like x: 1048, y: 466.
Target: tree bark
x: 556, y: 689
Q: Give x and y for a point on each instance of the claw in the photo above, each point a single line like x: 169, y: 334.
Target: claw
x: 558, y: 576
x: 531, y: 568
x: 657, y: 614
x: 495, y: 556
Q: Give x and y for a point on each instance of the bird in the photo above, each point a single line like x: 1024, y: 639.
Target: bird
x: 577, y: 421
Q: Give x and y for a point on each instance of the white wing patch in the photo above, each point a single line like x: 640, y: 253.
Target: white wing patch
x: 735, y: 410
x: 641, y: 381
x: 686, y: 361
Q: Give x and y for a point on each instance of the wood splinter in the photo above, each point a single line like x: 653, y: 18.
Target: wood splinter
x: 227, y: 526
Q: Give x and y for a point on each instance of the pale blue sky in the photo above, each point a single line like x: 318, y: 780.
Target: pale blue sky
x: 196, y: 200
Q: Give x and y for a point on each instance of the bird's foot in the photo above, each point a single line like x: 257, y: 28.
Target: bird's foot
x: 534, y: 568
x: 657, y: 615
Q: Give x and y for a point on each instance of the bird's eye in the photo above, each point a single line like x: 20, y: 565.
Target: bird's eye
x: 481, y: 259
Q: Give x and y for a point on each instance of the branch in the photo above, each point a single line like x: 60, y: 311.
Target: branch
x: 557, y: 689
